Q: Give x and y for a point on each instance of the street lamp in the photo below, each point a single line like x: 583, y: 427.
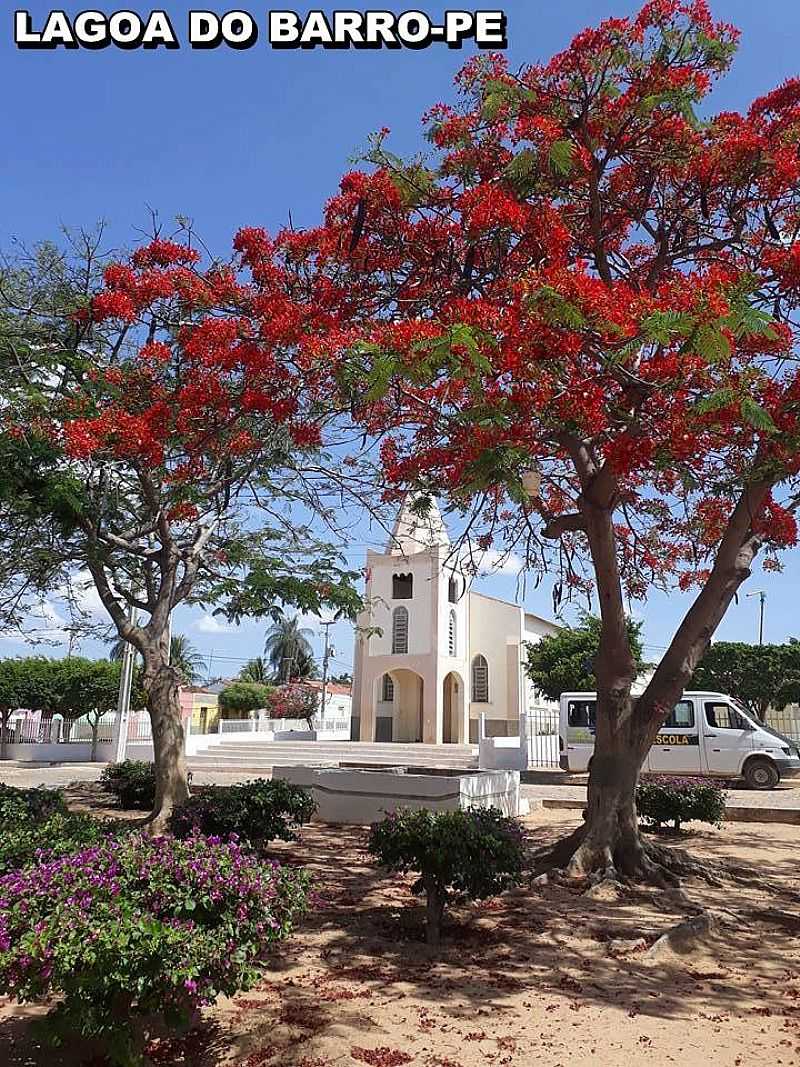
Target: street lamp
x: 124, y: 698
x: 762, y: 597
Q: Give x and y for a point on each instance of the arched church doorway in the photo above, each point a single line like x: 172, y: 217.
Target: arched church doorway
x: 399, y: 719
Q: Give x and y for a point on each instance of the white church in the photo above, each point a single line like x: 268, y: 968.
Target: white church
x: 431, y: 654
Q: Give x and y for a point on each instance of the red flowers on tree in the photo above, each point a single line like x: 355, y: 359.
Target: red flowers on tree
x: 591, y: 280
x: 294, y: 701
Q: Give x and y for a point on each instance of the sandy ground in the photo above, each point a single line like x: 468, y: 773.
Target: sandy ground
x: 538, y: 976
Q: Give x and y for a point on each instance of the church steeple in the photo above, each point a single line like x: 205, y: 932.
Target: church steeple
x: 414, y: 532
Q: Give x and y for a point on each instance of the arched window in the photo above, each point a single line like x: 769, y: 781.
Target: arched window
x: 452, y: 590
x: 400, y: 630
x: 480, y: 680
x: 452, y: 639
x: 402, y: 586
x: 387, y: 693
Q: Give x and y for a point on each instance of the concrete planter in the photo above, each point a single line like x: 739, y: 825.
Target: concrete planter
x: 362, y: 797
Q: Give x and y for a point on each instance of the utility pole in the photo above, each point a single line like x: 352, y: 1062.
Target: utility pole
x: 325, y: 661
x: 124, y: 698
x: 762, y: 598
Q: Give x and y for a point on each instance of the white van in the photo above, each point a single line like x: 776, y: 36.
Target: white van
x: 706, y: 733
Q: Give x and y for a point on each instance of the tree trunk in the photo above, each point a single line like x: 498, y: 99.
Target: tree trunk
x: 610, y: 844
x: 161, y: 684
x: 5, y: 715
x: 434, y: 910
x: 95, y: 731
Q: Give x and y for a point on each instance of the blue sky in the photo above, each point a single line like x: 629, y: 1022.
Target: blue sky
x: 235, y: 138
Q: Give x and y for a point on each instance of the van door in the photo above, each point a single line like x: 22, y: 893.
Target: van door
x: 676, y: 749
x: 727, y: 737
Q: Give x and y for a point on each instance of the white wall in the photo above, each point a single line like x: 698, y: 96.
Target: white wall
x: 495, y: 632
x: 379, y: 594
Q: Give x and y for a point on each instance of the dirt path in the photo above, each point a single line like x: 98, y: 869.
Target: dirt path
x: 536, y: 976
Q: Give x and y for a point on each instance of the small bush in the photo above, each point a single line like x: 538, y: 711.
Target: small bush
x: 29, y: 805
x: 140, y: 927
x: 132, y: 782
x: 661, y: 800
x: 258, y: 811
x: 39, y: 841
x: 476, y: 853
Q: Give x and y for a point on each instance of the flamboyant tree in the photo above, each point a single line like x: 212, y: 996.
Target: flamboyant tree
x: 163, y: 440
x: 593, y: 280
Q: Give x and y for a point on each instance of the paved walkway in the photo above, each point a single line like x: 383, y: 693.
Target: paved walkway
x: 541, y: 785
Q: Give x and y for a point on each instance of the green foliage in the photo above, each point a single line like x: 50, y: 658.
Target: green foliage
x: 288, y: 649
x: 185, y: 658
x: 132, y: 782
x: 258, y: 811
x: 564, y: 662
x: 36, y: 826
x: 140, y: 927
x: 759, y: 676
x: 679, y: 800
x: 36, y: 840
x: 29, y: 805
x: 476, y: 853
x: 255, y: 670
x: 561, y: 157
x: 244, y: 697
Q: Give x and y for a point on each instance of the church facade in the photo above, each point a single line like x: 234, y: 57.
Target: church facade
x: 432, y: 655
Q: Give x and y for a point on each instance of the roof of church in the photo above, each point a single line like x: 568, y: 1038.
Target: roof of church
x: 510, y: 603
x: 415, y: 533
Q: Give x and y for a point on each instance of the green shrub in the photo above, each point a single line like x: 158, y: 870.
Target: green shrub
x: 476, y: 853
x: 24, y: 805
x: 661, y: 800
x: 39, y: 841
x: 140, y: 926
x: 132, y: 782
x: 258, y: 811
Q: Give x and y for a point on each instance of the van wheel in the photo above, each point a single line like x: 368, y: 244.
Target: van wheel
x: 761, y: 773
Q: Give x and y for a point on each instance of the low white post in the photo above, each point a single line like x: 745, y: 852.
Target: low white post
x: 482, y: 727
x: 523, y: 738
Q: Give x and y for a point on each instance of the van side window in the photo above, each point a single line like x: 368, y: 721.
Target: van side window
x: 581, y: 712
x: 723, y: 717
x: 681, y: 717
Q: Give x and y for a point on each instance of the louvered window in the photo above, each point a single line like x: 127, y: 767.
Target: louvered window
x: 452, y: 641
x: 400, y: 630
x: 480, y: 680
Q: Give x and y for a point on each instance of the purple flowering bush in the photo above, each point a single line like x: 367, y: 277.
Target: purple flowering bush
x: 141, y: 926
x: 475, y: 853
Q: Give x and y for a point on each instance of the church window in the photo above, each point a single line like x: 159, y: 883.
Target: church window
x: 388, y: 689
x: 400, y: 630
x: 480, y: 680
x: 452, y: 590
x: 402, y: 586
x: 452, y: 642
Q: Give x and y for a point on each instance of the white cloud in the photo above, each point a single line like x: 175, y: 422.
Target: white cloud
x: 492, y: 561
x: 210, y: 624
x: 44, y: 623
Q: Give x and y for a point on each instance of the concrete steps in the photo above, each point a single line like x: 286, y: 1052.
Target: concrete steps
x: 262, y: 756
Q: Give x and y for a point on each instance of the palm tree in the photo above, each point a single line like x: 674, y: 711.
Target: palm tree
x: 185, y: 658
x: 288, y: 649
x: 255, y: 670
